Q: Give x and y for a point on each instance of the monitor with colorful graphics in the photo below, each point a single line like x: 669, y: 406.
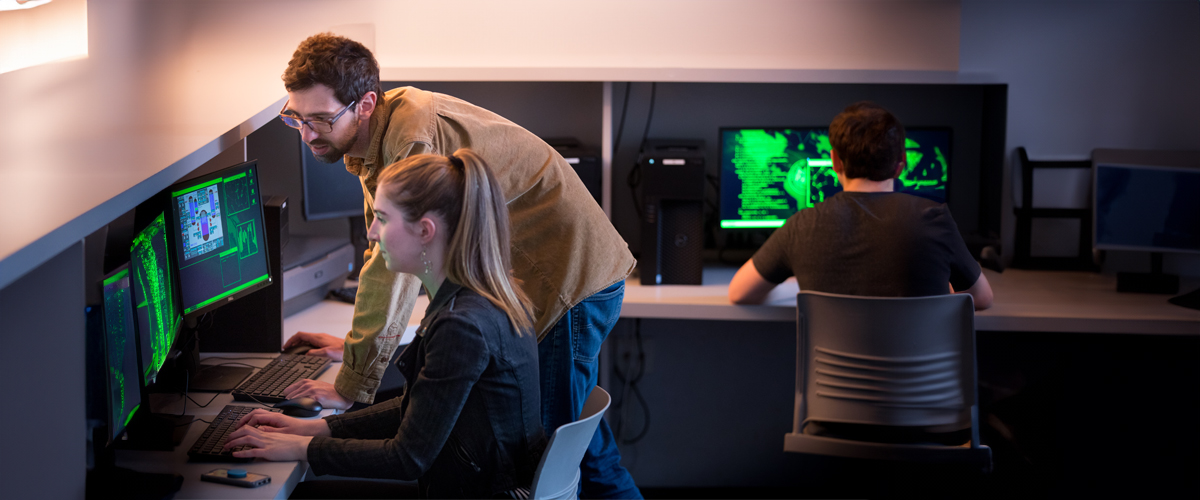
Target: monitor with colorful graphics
x: 217, y: 224
x: 768, y: 174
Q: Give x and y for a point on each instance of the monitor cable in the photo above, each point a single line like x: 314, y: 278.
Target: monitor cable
x: 187, y: 378
x: 711, y: 219
x: 621, y: 124
x: 629, y: 380
x: 634, y: 179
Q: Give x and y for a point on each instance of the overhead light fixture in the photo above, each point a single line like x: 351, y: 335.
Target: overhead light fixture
x: 32, y: 37
x: 21, y: 4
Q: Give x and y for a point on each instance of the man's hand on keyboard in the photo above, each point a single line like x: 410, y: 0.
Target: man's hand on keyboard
x: 323, y: 344
x: 323, y: 392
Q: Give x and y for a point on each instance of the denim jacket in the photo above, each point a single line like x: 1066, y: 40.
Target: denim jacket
x: 564, y: 249
x: 469, y: 423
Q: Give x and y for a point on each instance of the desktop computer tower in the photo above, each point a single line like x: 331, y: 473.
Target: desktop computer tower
x: 672, y: 213
x: 254, y: 323
x: 585, y: 162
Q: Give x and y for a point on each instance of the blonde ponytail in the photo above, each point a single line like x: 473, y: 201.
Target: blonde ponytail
x: 462, y: 190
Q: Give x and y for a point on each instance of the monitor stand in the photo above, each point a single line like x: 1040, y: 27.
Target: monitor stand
x: 1152, y: 282
x: 1190, y: 300
x: 216, y: 378
x: 155, y: 432
x: 117, y: 482
x: 106, y: 480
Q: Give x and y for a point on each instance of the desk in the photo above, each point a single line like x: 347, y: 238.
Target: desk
x: 686, y: 365
x: 327, y: 316
x: 708, y: 363
x: 1026, y: 301
x: 284, y: 475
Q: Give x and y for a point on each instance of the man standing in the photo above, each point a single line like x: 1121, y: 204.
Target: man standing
x: 570, y: 259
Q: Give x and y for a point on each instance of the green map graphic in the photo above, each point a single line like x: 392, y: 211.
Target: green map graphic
x: 769, y: 174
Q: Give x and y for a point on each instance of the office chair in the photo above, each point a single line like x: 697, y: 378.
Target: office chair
x: 557, y: 475
x: 883, y: 363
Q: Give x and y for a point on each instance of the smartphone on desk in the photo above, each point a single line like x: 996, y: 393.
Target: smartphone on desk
x: 238, y: 477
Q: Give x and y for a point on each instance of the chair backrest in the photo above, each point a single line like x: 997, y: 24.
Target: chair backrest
x: 904, y: 361
x: 557, y: 474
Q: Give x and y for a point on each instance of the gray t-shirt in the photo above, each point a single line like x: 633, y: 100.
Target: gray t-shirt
x: 876, y: 244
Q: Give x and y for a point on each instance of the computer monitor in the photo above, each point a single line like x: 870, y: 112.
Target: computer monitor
x: 120, y: 404
x: 768, y: 174
x: 1147, y: 208
x: 155, y: 297
x: 121, y: 374
x: 220, y: 247
x: 329, y: 190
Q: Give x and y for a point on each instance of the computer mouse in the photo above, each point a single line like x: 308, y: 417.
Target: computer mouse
x: 298, y: 349
x: 300, y: 407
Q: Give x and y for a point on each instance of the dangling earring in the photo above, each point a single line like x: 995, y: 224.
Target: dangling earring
x: 424, y: 260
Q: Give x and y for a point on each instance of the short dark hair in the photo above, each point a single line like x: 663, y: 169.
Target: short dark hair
x: 337, y: 62
x: 869, y: 141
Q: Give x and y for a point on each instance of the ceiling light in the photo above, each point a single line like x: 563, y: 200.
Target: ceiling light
x: 21, y: 4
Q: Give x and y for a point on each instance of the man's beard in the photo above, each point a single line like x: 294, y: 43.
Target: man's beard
x: 333, y: 155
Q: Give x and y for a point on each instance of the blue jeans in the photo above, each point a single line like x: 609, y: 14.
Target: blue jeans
x: 568, y: 357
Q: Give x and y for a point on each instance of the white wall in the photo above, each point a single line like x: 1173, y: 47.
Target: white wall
x: 728, y: 34
x: 1088, y: 74
x: 741, y: 34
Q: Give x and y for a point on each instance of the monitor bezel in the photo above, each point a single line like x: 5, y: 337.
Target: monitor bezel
x: 176, y: 238
x: 1096, y: 245
x: 721, y: 168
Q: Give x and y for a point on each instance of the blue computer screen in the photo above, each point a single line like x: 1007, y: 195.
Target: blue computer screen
x: 767, y: 174
x: 120, y: 352
x: 1149, y: 208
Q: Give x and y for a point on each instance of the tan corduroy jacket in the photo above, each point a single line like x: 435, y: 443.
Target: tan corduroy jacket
x: 564, y: 249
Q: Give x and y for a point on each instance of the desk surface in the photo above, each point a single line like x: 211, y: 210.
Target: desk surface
x: 1026, y: 301
x: 1029, y: 301
x: 284, y: 475
x: 1035, y: 301
x: 328, y: 316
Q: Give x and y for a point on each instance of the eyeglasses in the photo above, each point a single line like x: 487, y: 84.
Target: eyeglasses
x: 318, y: 125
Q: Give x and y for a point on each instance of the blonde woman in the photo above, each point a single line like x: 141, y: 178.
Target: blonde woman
x: 469, y: 423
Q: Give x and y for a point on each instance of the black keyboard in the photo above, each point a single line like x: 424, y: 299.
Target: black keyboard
x: 208, y: 446
x: 267, y: 385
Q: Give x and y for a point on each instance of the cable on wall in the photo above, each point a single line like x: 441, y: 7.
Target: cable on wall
x: 634, y: 179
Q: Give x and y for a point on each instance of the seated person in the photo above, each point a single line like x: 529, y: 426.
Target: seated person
x: 469, y: 424
x: 866, y: 240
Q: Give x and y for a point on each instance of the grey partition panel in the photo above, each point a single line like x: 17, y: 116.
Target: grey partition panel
x: 684, y: 110
x: 43, y: 427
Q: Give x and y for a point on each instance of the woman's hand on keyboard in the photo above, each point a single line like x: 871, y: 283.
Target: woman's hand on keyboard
x: 267, y: 444
x: 323, y: 344
x: 275, y: 422
x: 323, y: 392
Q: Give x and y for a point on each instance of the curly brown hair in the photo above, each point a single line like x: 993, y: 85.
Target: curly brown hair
x: 337, y: 62
x: 869, y: 141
